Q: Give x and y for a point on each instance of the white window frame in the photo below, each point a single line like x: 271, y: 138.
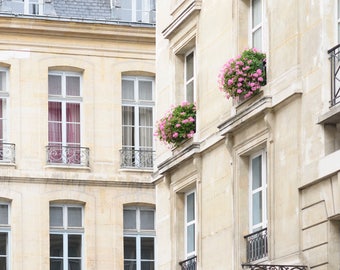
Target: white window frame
x: 192, y: 79
x: 262, y: 188
x: 337, y: 15
x: 254, y: 28
x: 65, y: 231
x: 6, y: 228
x: 30, y: 5
x: 138, y: 234
x: 189, y: 223
x: 148, y: 6
x: 4, y: 95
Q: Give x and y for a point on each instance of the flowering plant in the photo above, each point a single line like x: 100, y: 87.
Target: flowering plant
x: 244, y: 75
x: 177, y: 125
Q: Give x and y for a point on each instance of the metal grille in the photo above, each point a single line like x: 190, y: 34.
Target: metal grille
x: 7, y: 153
x: 67, y: 155
x: 189, y: 264
x: 274, y: 267
x: 131, y: 158
x: 257, y: 245
x: 334, y: 57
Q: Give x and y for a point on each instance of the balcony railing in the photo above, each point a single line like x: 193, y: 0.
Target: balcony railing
x: 257, y: 245
x: 67, y: 155
x: 274, y: 267
x: 189, y: 264
x: 334, y: 57
x: 141, y: 159
x: 7, y: 153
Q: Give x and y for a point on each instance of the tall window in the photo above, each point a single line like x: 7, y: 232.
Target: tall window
x: 256, y: 24
x: 66, y: 237
x: 3, y: 103
x: 258, y: 192
x: 190, y: 223
x: 190, y: 77
x: 134, y: 10
x: 338, y: 20
x: 64, y: 106
x: 34, y: 7
x: 4, y: 236
x: 137, y: 121
x: 139, y: 238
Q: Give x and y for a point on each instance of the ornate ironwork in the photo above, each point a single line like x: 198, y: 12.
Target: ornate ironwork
x: 334, y: 56
x: 189, y: 264
x: 7, y: 153
x: 273, y: 267
x: 132, y: 158
x: 68, y: 155
x: 257, y: 245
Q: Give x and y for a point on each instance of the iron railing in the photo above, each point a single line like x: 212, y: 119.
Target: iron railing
x: 257, y: 245
x: 273, y: 267
x: 68, y: 155
x: 132, y: 158
x: 7, y: 153
x: 334, y: 56
x: 189, y: 264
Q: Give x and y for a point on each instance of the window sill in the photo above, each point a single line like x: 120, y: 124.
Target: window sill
x: 7, y: 164
x: 67, y: 167
x: 330, y: 117
x: 148, y: 170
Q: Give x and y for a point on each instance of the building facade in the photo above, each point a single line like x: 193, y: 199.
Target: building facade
x: 77, y: 87
x: 257, y: 185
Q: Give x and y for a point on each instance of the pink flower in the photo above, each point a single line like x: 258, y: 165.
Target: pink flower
x: 175, y: 135
x: 185, y: 121
x: 240, y: 79
x: 191, y: 119
x: 177, y: 125
x: 260, y: 79
x: 239, y: 91
x: 259, y: 71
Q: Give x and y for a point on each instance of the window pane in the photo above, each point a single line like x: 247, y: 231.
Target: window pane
x: 145, y: 116
x: 147, y: 248
x: 74, y: 216
x: 191, y: 238
x: 145, y: 137
x: 2, y: 81
x: 130, y: 265
x: 338, y: 9
x: 56, y: 216
x: 256, y: 12
x: 147, y: 221
x: 54, y: 111
x: 130, y: 219
x: 147, y: 266
x: 3, y: 263
x: 128, y: 115
x: 74, y: 264
x: 257, y: 208
x: 56, y: 264
x: 128, y: 136
x: 3, y: 214
x: 190, y: 92
x: 191, y: 207
x: 145, y: 90
x: 74, y: 245
x: 54, y: 85
x: 73, y: 86
x: 128, y: 89
x: 189, y: 66
x: 56, y: 245
x: 3, y: 243
x: 129, y: 248
x: 256, y: 172
x: 257, y: 39
x: 73, y: 112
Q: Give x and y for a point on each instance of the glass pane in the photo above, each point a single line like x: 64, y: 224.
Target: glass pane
x: 257, y: 39
x: 73, y: 86
x: 147, y: 248
x: 256, y: 171
x: 128, y: 89
x: 2, y: 81
x: 54, y: 111
x: 129, y: 248
x: 145, y: 90
x: 56, y: 216
x: 128, y: 114
x: 3, y: 263
x: 130, y: 220
x: 338, y: 35
x: 147, y: 220
x: 3, y: 243
x: 191, y: 207
x: 74, y: 216
x: 189, y: 66
x: 257, y: 208
x: 56, y: 264
x: 147, y: 266
x: 56, y: 245
x: 73, y: 112
x: 128, y: 136
x: 74, y: 245
x: 256, y: 12
x: 54, y: 85
x: 338, y: 9
x: 3, y: 214
x: 129, y: 265
x: 145, y: 137
x: 145, y: 116
x: 190, y: 92
x: 74, y: 264
x: 191, y: 238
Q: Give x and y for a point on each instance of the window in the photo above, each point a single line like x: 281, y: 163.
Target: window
x: 4, y: 236
x: 3, y: 103
x: 33, y: 7
x: 137, y: 122
x: 190, y: 224
x: 64, y: 107
x: 190, y: 77
x: 256, y: 20
x: 338, y: 20
x: 66, y: 237
x: 139, y: 238
x: 134, y: 10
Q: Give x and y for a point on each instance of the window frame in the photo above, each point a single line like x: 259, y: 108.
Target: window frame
x: 187, y: 224
x: 263, y: 189
x: 337, y: 16
x: 65, y: 231
x: 27, y: 6
x: 254, y: 28
x: 187, y: 82
x: 6, y: 229
x: 4, y: 96
x: 133, y: 12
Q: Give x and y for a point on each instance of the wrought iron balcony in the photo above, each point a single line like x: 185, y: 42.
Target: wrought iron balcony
x: 131, y: 158
x: 334, y: 57
x: 189, y: 264
x: 68, y: 155
x: 257, y: 245
x: 273, y: 267
x: 7, y: 153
